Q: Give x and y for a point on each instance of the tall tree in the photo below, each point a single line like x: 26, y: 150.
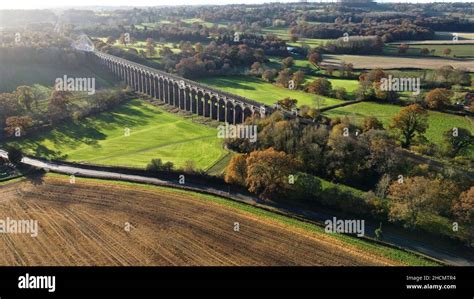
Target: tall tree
x: 315, y: 59
x: 283, y: 78
x: 410, y: 198
x: 57, y: 107
x: 25, y: 96
x: 18, y: 124
x: 458, y: 141
x: 409, y: 122
x: 268, y: 172
x: 321, y: 86
x: 463, y: 208
x: 298, y: 79
x: 236, y: 172
x: 288, y: 62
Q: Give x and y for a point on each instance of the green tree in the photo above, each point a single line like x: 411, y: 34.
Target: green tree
x: 15, y: 155
x: 458, y: 141
x: 288, y: 103
x: 158, y: 165
x: 409, y: 122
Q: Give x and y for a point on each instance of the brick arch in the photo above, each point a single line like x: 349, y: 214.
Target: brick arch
x: 239, y: 114
x: 221, y: 109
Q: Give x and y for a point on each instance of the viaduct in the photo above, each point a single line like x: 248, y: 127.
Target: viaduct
x: 182, y: 93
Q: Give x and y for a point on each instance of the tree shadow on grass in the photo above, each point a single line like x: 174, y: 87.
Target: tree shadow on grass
x: 336, y: 113
x: 43, y: 151
x: 88, y: 131
x: 35, y: 177
x: 129, y: 115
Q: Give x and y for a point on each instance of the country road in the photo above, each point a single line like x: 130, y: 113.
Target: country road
x: 434, y: 247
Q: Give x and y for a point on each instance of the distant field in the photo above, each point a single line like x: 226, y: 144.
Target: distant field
x: 187, y: 21
x: 104, y: 223
x: 350, y: 85
x: 457, y: 50
x: 200, y: 21
x: 140, y: 45
x: 261, y: 91
x: 283, y: 33
x: 154, y: 133
x: 13, y: 75
x: 438, y: 122
x: 385, y: 62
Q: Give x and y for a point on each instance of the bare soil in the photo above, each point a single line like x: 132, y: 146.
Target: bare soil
x: 85, y: 224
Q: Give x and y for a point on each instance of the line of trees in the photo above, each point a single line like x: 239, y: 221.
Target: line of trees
x: 29, y: 108
x: 286, y: 161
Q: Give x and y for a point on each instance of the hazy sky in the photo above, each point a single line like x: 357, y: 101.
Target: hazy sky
x: 29, y: 4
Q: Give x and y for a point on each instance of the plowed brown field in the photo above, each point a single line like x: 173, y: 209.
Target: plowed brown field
x: 84, y: 224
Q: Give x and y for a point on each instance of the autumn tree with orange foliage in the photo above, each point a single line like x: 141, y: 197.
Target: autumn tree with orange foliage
x: 463, y: 208
x: 410, y: 198
x: 268, y: 172
x: 372, y: 123
x: 438, y: 98
x: 236, y: 172
x: 18, y: 124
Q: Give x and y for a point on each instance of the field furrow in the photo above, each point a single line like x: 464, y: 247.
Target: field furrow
x: 85, y: 224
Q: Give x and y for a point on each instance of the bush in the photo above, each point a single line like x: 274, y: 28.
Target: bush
x: 306, y: 187
x: 340, y: 93
x: 15, y: 155
x: 379, y: 232
x: 157, y: 165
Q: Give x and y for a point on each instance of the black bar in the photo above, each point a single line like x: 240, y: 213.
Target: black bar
x: 243, y: 282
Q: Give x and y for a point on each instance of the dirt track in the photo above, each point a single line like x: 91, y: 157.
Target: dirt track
x: 84, y: 224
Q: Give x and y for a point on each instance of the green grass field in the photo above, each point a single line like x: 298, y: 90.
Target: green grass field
x: 438, y: 122
x: 350, y: 85
x: 14, y: 74
x: 261, y: 91
x: 188, y: 22
x: 283, y: 33
x: 154, y: 133
x: 140, y: 45
x: 460, y: 50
